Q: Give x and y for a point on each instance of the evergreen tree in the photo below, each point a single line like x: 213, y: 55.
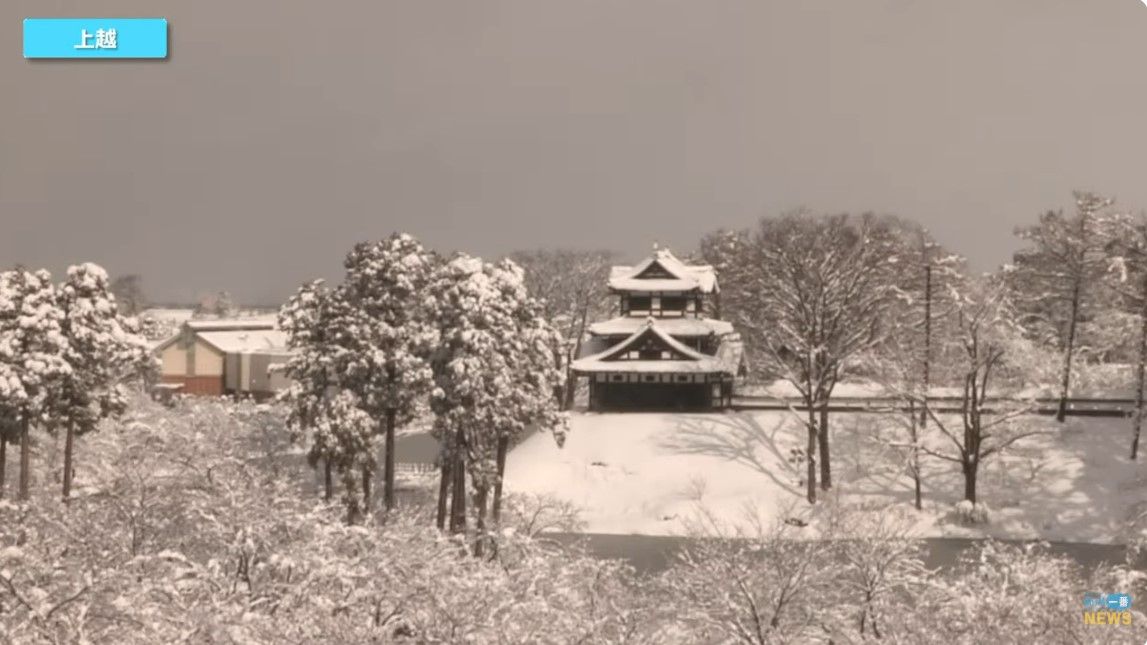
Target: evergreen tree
x: 385, y: 337
x: 32, y: 356
x: 102, y: 353
x: 306, y: 318
x: 496, y: 372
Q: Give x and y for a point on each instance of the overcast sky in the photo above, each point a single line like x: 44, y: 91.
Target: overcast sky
x: 280, y: 133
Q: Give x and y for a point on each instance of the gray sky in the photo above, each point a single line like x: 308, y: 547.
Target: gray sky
x: 280, y: 133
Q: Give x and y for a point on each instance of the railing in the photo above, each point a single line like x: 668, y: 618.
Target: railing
x: 414, y: 468
x: 1079, y: 407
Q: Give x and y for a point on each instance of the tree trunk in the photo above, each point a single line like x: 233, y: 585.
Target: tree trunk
x: 25, y: 461
x: 1061, y: 413
x: 328, y: 480
x: 914, y: 459
x: 365, y: 490
x: 69, y: 446
x: 388, y: 464
x: 970, y: 471
x: 3, y: 464
x: 503, y: 448
x: 916, y: 481
x: 444, y: 481
x: 1139, y: 376
x: 822, y: 440
x: 458, y: 495
x: 480, y: 496
x: 353, y: 511
x: 927, y: 346
x: 810, y: 450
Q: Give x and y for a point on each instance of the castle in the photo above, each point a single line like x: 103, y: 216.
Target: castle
x: 664, y: 351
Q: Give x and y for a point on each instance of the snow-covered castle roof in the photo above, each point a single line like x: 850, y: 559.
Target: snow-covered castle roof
x: 662, y: 271
x: 680, y: 327
x: 687, y: 359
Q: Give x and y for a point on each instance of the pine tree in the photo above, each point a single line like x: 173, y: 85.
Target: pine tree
x: 32, y: 356
x: 306, y: 318
x: 495, y: 373
x: 102, y: 353
x: 385, y: 337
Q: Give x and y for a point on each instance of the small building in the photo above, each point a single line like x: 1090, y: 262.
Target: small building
x: 663, y: 351
x: 216, y: 357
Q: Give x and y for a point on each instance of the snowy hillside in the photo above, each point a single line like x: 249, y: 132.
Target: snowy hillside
x: 648, y: 473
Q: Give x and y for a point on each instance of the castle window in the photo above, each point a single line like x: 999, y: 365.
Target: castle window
x: 639, y: 304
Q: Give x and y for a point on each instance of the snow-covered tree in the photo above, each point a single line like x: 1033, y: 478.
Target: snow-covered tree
x: 1055, y: 277
x: 495, y: 374
x: 753, y: 583
x: 102, y: 353
x: 926, y: 274
x: 128, y: 292
x: 1128, y: 277
x: 216, y: 305
x: 32, y: 356
x: 362, y: 353
x: 572, y: 287
x: 809, y: 298
x: 385, y: 337
x: 988, y: 343
x: 307, y: 318
x: 9, y: 434
x: 904, y: 361
x: 154, y: 328
x: 725, y: 251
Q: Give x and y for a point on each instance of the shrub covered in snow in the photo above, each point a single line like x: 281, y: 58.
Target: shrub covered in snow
x: 201, y: 524
x: 965, y: 512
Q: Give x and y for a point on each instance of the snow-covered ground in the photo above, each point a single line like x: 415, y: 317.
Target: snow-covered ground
x: 650, y: 473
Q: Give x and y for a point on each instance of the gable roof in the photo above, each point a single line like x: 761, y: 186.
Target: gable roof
x: 211, y: 324
x: 245, y: 340
x: 690, y: 359
x: 684, y: 326
x: 201, y: 328
x: 681, y: 276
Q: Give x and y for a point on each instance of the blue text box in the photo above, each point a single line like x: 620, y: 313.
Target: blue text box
x: 95, y: 38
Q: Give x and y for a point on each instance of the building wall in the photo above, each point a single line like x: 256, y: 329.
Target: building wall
x: 208, y: 360
x: 198, y: 385
x: 262, y: 380
x: 231, y: 380
x: 174, y: 358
